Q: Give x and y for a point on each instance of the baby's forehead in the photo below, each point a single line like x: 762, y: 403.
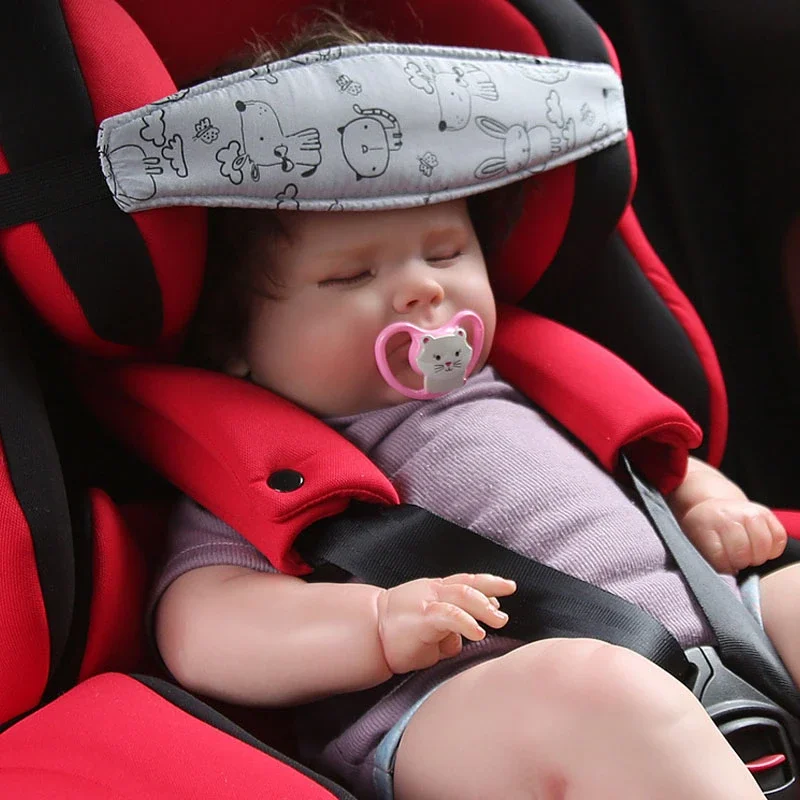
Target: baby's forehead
x: 323, y: 229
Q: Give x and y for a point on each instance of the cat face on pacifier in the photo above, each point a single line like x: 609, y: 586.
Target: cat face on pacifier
x: 444, y: 357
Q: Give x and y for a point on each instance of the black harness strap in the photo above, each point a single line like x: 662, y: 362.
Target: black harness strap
x: 34, y: 466
x: 46, y: 120
x: 42, y: 190
x: 386, y: 546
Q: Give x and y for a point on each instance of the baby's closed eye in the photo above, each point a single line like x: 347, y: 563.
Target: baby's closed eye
x: 444, y: 257
x: 347, y: 280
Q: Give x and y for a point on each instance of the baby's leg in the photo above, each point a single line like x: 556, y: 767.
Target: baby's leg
x: 780, y: 610
x: 567, y: 719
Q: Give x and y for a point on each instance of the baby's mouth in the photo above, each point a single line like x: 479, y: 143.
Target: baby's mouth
x: 402, y: 345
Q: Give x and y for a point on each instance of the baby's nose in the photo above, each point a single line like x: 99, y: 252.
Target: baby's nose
x: 415, y: 290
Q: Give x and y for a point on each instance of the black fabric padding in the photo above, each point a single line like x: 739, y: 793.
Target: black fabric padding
x: 199, y: 710
x: 35, y: 470
x: 602, y: 181
x: 602, y: 184
x: 610, y: 300
x: 567, y: 30
x: 67, y: 671
x: 46, y: 115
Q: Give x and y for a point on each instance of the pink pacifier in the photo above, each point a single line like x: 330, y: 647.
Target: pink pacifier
x: 444, y: 357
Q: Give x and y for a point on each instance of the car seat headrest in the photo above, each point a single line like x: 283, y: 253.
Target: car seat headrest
x: 362, y: 127
x: 119, y: 284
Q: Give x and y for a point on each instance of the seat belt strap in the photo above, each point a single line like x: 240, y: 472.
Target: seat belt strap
x: 387, y: 546
x: 744, y: 647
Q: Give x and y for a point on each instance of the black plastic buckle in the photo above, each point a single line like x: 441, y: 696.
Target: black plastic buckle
x: 764, y: 735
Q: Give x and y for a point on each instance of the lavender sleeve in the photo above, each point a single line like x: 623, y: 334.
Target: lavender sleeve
x: 196, y: 538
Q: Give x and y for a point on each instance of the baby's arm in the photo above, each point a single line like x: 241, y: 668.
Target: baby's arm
x: 258, y: 638
x: 726, y: 527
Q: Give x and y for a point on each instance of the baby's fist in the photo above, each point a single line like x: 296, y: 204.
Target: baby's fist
x: 734, y: 534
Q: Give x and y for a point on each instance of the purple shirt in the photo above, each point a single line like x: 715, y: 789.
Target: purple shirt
x: 485, y: 459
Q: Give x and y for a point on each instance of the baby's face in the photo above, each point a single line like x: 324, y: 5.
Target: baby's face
x: 345, y: 276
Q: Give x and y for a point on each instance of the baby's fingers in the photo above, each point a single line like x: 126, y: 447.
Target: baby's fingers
x: 760, y: 535
x: 490, y: 585
x: 474, y: 602
x: 738, y: 547
x: 444, y: 619
x: 779, y: 536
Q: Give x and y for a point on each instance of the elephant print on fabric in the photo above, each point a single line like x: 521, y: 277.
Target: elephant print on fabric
x: 137, y: 168
x: 368, y: 140
x: 521, y: 146
x: 264, y: 144
x: 131, y: 167
x: 454, y: 90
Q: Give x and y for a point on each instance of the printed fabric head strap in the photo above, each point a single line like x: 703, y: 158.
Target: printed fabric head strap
x: 363, y: 127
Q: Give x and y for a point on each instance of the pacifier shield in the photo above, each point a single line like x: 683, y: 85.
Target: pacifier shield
x: 444, y: 357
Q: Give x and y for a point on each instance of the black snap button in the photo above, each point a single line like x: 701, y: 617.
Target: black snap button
x: 285, y: 480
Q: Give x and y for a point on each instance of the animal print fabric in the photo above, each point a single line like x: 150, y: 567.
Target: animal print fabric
x: 362, y: 127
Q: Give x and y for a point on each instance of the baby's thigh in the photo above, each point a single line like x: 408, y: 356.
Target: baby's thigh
x: 780, y: 608
x: 520, y: 724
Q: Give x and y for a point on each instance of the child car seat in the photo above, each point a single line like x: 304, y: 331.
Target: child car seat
x: 121, y: 288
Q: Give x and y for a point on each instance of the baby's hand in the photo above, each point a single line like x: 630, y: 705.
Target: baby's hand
x: 734, y: 534
x: 423, y: 621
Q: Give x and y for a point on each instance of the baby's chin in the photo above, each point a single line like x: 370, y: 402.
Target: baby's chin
x: 381, y: 395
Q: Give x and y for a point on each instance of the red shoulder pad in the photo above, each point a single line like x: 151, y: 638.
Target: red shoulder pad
x: 598, y: 397
x: 260, y: 463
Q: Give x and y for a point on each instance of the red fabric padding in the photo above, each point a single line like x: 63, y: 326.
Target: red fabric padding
x: 682, y: 309
x: 112, y: 738
x: 192, y: 44
x: 122, y: 71
x: 790, y: 520
x: 601, y: 400
x: 24, y: 634
x: 219, y: 439
x: 116, y: 639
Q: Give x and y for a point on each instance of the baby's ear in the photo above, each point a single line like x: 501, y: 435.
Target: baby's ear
x: 237, y: 367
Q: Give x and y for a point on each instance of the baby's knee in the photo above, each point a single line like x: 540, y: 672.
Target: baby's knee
x: 589, y: 678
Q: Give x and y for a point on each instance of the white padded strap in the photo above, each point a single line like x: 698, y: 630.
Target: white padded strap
x: 362, y: 127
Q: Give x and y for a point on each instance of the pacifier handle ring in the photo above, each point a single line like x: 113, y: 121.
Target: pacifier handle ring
x: 477, y: 345
x: 383, y: 364
x: 405, y: 327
